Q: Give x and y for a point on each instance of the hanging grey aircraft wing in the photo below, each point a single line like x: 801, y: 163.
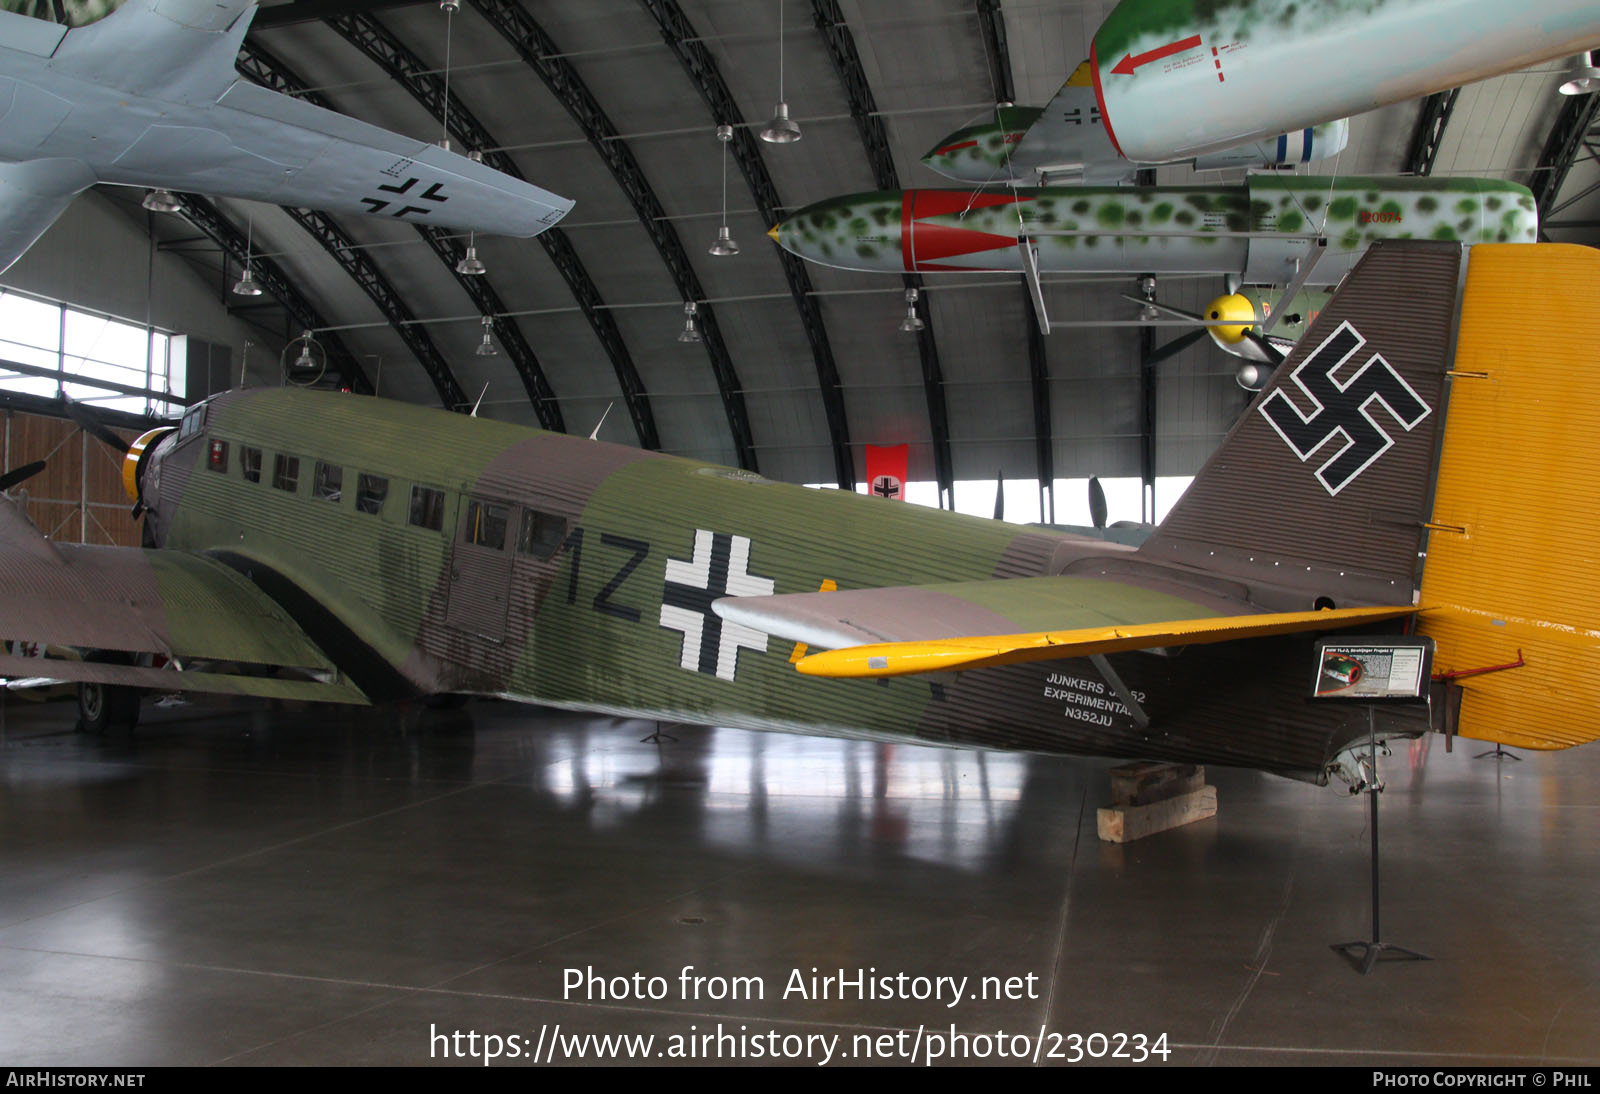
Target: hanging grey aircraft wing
x: 149, y: 96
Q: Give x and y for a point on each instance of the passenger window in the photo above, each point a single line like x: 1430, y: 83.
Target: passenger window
x: 542, y: 533
x: 485, y: 524
x: 371, y: 490
x: 328, y: 483
x: 250, y: 463
x: 217, y: 456
x: 427, y: 507
x: 286, y: 472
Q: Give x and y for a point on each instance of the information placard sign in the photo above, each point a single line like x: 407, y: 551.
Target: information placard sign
x: 1385, y: 668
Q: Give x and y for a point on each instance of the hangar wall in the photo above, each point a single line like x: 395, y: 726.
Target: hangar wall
x: 78, y: 497
x: 98, y: 257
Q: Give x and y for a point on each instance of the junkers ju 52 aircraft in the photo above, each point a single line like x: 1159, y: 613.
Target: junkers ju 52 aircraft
x: 331, y: 546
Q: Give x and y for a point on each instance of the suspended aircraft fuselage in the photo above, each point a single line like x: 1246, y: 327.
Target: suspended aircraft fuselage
x: 1260, y: 230
x: 1190, y: 77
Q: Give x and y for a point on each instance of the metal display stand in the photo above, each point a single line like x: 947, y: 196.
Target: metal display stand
x: 1498, y: 753
x: 658, y: 736
x: 1370, y: 671
x: 1363, y: 954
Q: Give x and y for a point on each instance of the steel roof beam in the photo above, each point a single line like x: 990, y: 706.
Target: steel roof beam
x: 541, y: 54
x: 1429, y: 132
x: 841, y: 44
x: 364, y: 272
x: 993, y: 24
x: 1562, y: 148
x: 266, y: 68
x: 702, y: 70
x: 205, y: 216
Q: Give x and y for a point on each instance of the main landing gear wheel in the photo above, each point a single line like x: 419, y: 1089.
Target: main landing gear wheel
x: 106, y: 706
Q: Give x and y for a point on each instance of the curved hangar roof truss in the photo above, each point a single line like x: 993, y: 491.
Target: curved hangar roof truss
x: 615, y: 103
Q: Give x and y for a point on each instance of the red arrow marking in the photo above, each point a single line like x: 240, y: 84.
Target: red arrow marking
x: 1129, y: 62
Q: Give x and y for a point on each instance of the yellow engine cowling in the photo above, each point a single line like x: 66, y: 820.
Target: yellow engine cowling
x: 133, y: 461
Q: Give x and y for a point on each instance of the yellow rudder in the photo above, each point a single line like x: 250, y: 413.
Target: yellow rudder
x: 1513, y: 558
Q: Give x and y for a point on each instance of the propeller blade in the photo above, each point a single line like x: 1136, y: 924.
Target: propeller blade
x: 1270, y: 354
x: 1194, y: 317
x: 80, y: 415
x: 1177, y: 345
x: 1000, y: 495
x: 1097, y: 502
x: 20, y: 474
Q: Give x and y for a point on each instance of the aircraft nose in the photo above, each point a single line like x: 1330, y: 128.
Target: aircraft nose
x: 773, y: 233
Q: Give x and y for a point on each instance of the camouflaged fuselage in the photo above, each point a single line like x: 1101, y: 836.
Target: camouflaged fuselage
x: 606, y: 604
x: 1258, y: 230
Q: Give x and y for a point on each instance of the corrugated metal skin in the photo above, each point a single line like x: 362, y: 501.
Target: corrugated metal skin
x: 1360, y: 545
x: 1519, y: 473
x: 586, y: 629
x: 149, y: 601
x: 376, y: 572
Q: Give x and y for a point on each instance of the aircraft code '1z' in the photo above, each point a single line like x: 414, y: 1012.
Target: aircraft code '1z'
x: 719, y: 566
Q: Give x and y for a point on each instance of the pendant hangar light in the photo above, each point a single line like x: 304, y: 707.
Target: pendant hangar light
x: 470, y: 265
x: 781, y: 130
x: 246, y: 285
x: 486, y: 347
x: 725, y: 244
x: 449, y: 7
x: 912, y: 323
x: 1583, y: 77
x: 690, y: 333
x: 161, y: 201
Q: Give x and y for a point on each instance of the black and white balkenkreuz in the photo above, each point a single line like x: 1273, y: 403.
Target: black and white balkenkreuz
x: 1343, y: 410
x: 720, y: 567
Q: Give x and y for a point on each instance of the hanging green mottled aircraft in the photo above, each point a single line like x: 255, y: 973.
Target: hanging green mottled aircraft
x: 1186, y: 78
x: 335, y: 547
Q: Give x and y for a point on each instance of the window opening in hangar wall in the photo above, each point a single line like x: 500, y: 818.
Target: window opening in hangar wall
x: 975, y: 497
x: 48, y: 349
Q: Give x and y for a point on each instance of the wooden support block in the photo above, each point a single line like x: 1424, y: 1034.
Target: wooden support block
x: 1126, y: 823
x: 1146, y: 782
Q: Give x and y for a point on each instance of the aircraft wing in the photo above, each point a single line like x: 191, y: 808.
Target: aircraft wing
x: 263, y: 145
x: 150, y: 96
x: 181, y: 606
x: 978, y: 624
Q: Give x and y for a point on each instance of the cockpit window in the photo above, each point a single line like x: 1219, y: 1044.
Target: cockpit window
x: 194, y: 419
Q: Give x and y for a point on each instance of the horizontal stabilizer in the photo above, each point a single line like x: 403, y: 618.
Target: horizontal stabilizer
x: 951, y: 654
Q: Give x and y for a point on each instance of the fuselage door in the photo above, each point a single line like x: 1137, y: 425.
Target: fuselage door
x: 480, y: 571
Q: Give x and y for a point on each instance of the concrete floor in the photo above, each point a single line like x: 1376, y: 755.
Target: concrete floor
x: 228, y: 885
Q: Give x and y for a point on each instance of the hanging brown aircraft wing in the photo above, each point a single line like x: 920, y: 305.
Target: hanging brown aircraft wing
x: 178, y: 607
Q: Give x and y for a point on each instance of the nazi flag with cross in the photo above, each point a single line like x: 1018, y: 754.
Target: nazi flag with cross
x: 719, y: 568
